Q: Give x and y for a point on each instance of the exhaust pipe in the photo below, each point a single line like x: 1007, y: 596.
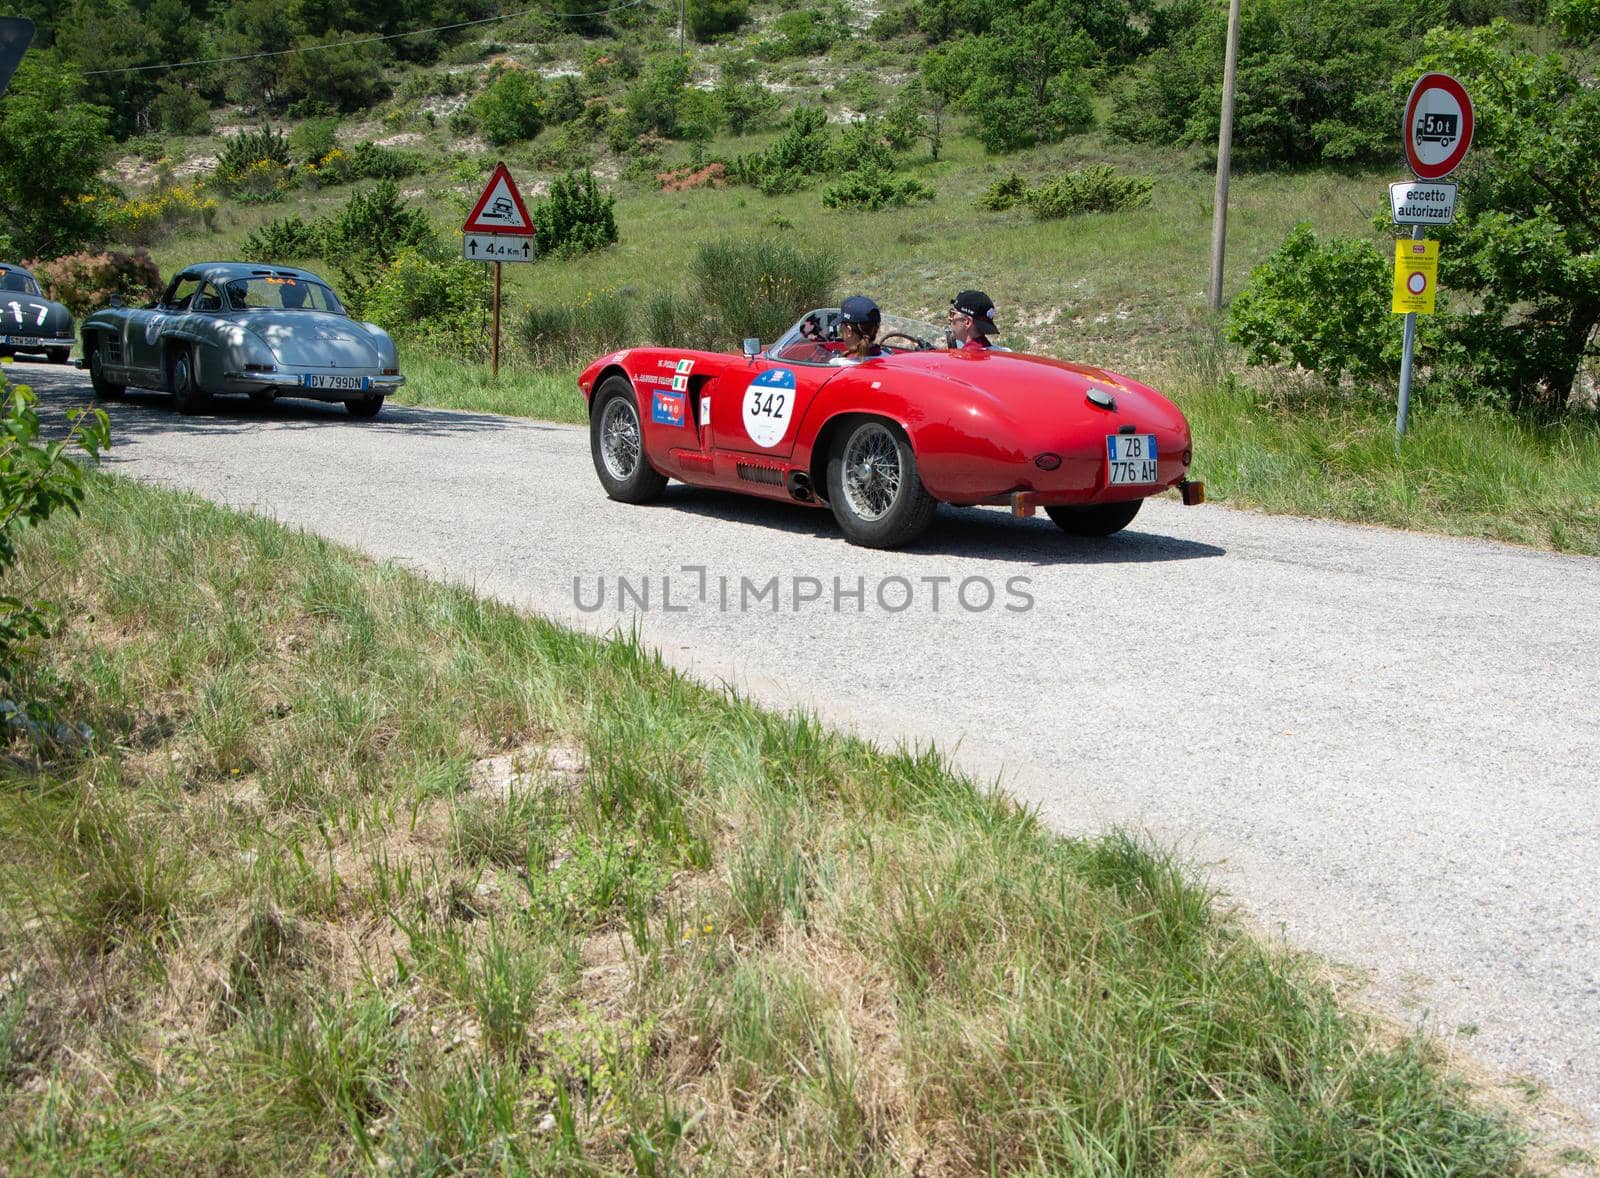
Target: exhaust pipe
x: 800, y: 486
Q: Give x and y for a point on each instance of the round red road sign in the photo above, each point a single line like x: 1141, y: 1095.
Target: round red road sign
x: 1417, y: 283
x: 1437, y: 127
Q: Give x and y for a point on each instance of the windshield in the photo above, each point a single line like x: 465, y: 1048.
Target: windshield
x: 12, y: 280
x: 815, y: 338
x: 281, y: 294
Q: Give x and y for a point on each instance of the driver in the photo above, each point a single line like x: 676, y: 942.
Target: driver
x: 859, y: 320
x: 971, y: 321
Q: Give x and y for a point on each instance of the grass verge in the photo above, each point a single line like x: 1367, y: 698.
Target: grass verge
x: 358, y: 870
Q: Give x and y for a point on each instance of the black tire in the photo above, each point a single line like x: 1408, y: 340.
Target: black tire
x: 364, y: 406
x: 873, y: 486
x: 1095, y: 519
x: 187, y: 395
x: 104, y: 389
x: 616, y: 442
x: 60, y: 355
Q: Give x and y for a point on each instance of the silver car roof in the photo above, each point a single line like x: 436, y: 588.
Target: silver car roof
x: 220, y: 272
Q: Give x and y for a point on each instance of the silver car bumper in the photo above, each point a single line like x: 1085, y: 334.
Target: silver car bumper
x: 286, y: 381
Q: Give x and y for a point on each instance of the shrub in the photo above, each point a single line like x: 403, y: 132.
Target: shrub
x: 860, y: 147
x: 37, y: 479
x: 245, y: 157
x: 286, y: 239
x: 313, y: 139
x: 148, y: 219
x: 1099, y: 188
x: 85, y: 282
x: 875, y: 188
x: 576, y: 217
x: 511, y: 109
x: 1003, y: 194
x: 365, y: 161
x: 801, y: 151
x: 711, y: 18
x: 676, y: 320
x: 806, y: 32
x: 560, y: 335
x: 368, y: 233
x: 440, y: 304
x: 1323, y: 305
x: 759, y: 288
x: 746, y: 106
x: 652, y: 103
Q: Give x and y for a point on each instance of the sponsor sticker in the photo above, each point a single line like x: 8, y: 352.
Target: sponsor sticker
x: 680, y: 384
x: 705, y: 412
x: 768, y: 406
x: 685, y: 367
x: 668, y: 408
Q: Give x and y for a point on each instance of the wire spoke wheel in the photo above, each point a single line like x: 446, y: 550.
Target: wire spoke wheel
x: 872, y: 472
x: 619, y: 439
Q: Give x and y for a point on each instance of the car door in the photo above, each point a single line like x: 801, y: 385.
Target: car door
x: 142, y: 329
x: 757, y: 409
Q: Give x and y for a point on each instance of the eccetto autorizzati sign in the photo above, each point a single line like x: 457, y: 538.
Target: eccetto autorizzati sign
x: 1416, y: 203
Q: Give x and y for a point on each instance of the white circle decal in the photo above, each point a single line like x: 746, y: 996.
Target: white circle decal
x: 1417, y: 283
x: 768, y: 406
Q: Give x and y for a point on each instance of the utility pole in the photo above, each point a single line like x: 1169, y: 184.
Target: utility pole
x: 681, y: 5
x: 1219, y: 213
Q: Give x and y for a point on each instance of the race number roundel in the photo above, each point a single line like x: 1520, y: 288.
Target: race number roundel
x: 768, y: 405
x: 1437, y: 127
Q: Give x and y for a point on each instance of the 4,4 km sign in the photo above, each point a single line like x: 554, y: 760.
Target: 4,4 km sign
x: 498, y: 230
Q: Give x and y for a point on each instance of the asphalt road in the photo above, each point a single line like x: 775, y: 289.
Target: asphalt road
x: 1384, y: 745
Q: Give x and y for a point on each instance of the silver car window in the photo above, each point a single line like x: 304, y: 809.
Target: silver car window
x: 281, y: 294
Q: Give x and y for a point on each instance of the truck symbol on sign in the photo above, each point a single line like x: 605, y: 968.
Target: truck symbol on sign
x: 1438, y: 128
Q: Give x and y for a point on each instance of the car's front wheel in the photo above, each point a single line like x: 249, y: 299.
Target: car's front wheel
x: 616, y: 440
x: 1095, y: 519
x: 105, y: 389
x: 187, y: 395
x: 873, y: 486
x: 364, y: 406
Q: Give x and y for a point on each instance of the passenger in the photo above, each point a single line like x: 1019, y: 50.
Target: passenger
x: 971, y: 321
x: 294, y: 296
x: 859, y: 319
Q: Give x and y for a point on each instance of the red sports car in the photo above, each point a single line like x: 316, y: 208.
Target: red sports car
x: 884, y: 440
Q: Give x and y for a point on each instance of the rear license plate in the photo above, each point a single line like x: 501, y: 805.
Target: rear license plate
x: 1130, y: 458
x: 345, y: 384
x: 32, y: 342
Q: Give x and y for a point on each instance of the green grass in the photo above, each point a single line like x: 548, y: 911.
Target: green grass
x: 278, y: 915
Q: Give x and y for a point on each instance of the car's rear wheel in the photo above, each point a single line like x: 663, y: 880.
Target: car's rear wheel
x: 1095, y: 519
x: 105, y: 389
x: 616, y: 440
x: 873, y: 486
x: 364, y: 406
x: 187, y: 395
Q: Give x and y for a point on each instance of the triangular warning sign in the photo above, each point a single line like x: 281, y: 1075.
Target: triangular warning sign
x: 500, y: 208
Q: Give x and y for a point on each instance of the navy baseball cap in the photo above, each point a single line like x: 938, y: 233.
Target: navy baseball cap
x: 859, y: 311
x: 980, y: 306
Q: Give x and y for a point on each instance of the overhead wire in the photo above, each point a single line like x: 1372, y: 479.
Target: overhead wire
x: 466, y: 24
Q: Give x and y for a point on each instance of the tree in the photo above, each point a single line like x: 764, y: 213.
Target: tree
x: 52, y: 146
x: 712, y: 18
x: 944, y: 82
x: 1526, y: 240
x: 512, y: 108
x: 1028, y: 84
x: 1312, y: 86
x: 652, y: 104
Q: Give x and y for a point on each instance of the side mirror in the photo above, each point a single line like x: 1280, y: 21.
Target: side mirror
x: 752, y: 348
x: 116, y: 300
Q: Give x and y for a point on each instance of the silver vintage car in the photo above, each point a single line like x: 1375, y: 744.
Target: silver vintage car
x: 230, y: 327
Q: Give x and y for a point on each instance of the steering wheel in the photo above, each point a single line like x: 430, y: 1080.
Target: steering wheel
x: 920, y: 345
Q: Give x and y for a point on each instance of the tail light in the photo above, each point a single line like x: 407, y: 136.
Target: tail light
x: 391, y: 372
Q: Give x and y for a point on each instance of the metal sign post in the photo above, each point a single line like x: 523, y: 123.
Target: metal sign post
x: 1407, y: 349
x: 1436, y: 129
x: 498, y: 230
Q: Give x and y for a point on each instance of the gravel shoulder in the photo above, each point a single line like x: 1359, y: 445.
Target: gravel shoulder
x: 1383, y: 745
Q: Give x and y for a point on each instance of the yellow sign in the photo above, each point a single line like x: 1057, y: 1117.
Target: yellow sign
x: 1416, y: 274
